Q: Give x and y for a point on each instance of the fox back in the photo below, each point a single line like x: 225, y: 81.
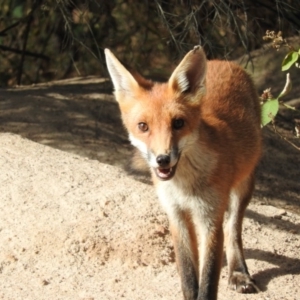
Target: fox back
x: 200, y: 135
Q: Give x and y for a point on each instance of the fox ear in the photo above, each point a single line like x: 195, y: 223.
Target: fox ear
x: 122, y: 79
x: 189, y: 76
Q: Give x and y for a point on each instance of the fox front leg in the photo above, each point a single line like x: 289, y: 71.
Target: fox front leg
x: 199, y: 274
x: 186, y: 251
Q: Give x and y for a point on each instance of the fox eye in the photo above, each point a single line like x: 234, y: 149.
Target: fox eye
x: 143, y: 127
x: 177, y: 124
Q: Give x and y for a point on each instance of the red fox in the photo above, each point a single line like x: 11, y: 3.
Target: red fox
x: 200, y: 135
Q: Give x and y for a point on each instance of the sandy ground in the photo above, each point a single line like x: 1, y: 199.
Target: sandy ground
x: 73, y: 228
x: 75, y: 225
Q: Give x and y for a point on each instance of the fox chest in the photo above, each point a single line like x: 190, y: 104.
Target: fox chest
x: 176, y: 198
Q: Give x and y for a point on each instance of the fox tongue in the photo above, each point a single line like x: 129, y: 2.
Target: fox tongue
x: 164, y: 172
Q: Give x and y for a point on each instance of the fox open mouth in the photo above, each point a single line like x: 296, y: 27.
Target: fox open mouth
x: 165, y: 173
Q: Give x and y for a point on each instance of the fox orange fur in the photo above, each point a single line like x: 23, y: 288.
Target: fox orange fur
x: 200, y: 135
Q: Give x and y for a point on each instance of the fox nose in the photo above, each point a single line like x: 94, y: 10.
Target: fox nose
x: 163, y: 160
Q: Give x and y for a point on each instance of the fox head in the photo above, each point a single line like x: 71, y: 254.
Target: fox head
x: 162, y: 119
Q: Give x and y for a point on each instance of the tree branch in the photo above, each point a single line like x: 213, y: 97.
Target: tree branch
x: 28, y: 53
x: 27, y: 29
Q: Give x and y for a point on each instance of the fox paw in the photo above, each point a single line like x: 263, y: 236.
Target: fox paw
x: 242, y: 283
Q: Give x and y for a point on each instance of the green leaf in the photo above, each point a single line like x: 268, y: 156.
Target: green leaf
x: 269, y: 110
x: 18, y: 11
x: 289, y: 60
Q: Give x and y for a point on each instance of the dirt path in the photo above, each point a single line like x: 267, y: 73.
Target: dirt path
x: 73, y: 228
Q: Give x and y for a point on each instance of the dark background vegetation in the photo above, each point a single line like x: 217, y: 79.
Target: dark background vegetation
x: 42, y: 40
